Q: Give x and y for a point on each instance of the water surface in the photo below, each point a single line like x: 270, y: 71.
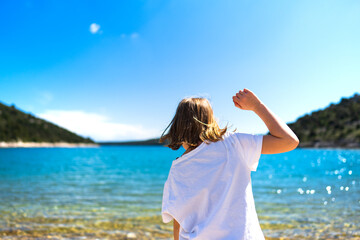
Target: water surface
x: 111, y: 192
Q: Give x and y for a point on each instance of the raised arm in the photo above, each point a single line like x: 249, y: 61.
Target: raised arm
x: 281, y: 138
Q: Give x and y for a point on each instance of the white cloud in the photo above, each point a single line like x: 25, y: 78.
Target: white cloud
x: 94, y: 28
x: 96, y: 126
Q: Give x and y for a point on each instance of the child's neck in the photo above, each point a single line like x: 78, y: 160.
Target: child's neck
x: 187, y: 148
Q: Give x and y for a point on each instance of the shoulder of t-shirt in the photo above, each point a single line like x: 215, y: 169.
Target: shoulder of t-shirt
x: 233, y: 138
x: 236, y: 135
x: 241, y: 138
x: 239, y: 134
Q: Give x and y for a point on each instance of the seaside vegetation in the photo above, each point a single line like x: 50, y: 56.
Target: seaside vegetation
x: 338, y: 125
x: 15, y: 125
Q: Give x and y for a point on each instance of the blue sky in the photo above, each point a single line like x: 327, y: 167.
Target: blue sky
x: 123, y: 78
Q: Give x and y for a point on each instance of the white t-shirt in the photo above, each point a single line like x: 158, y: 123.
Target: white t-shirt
x: 208, y: 190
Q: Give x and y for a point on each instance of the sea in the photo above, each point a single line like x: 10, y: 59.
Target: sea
x: 115, y: 192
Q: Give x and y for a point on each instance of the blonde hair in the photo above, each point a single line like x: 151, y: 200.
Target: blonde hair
x: 193, y: 123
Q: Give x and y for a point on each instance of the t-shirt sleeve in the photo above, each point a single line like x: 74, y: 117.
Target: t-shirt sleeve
x: 250, y: 146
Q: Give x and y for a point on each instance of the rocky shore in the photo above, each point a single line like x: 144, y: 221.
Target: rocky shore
x: 21, y: 144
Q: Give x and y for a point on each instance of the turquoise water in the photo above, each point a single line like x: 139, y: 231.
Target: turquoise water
x: 108, y: 192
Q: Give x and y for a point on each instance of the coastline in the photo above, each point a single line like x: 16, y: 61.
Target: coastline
x: 330, y: 145
x: 21, y: 144
x: 303, y: 145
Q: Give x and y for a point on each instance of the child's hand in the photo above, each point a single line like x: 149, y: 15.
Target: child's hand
x: 246, y: 100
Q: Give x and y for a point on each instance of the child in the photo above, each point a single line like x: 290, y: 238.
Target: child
x: 208, y: 192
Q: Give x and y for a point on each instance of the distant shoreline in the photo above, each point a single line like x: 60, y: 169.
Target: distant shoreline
x: 332, y: 145
x: 305, y: 145
x: 151, y: 142
x: 147, y: 142
x: 45, y: 145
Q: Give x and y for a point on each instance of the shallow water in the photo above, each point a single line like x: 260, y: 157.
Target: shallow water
x: 114, y: 192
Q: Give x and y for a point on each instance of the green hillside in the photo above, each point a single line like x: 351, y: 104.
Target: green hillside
x: 16, y: 125
x: 338, y: 125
